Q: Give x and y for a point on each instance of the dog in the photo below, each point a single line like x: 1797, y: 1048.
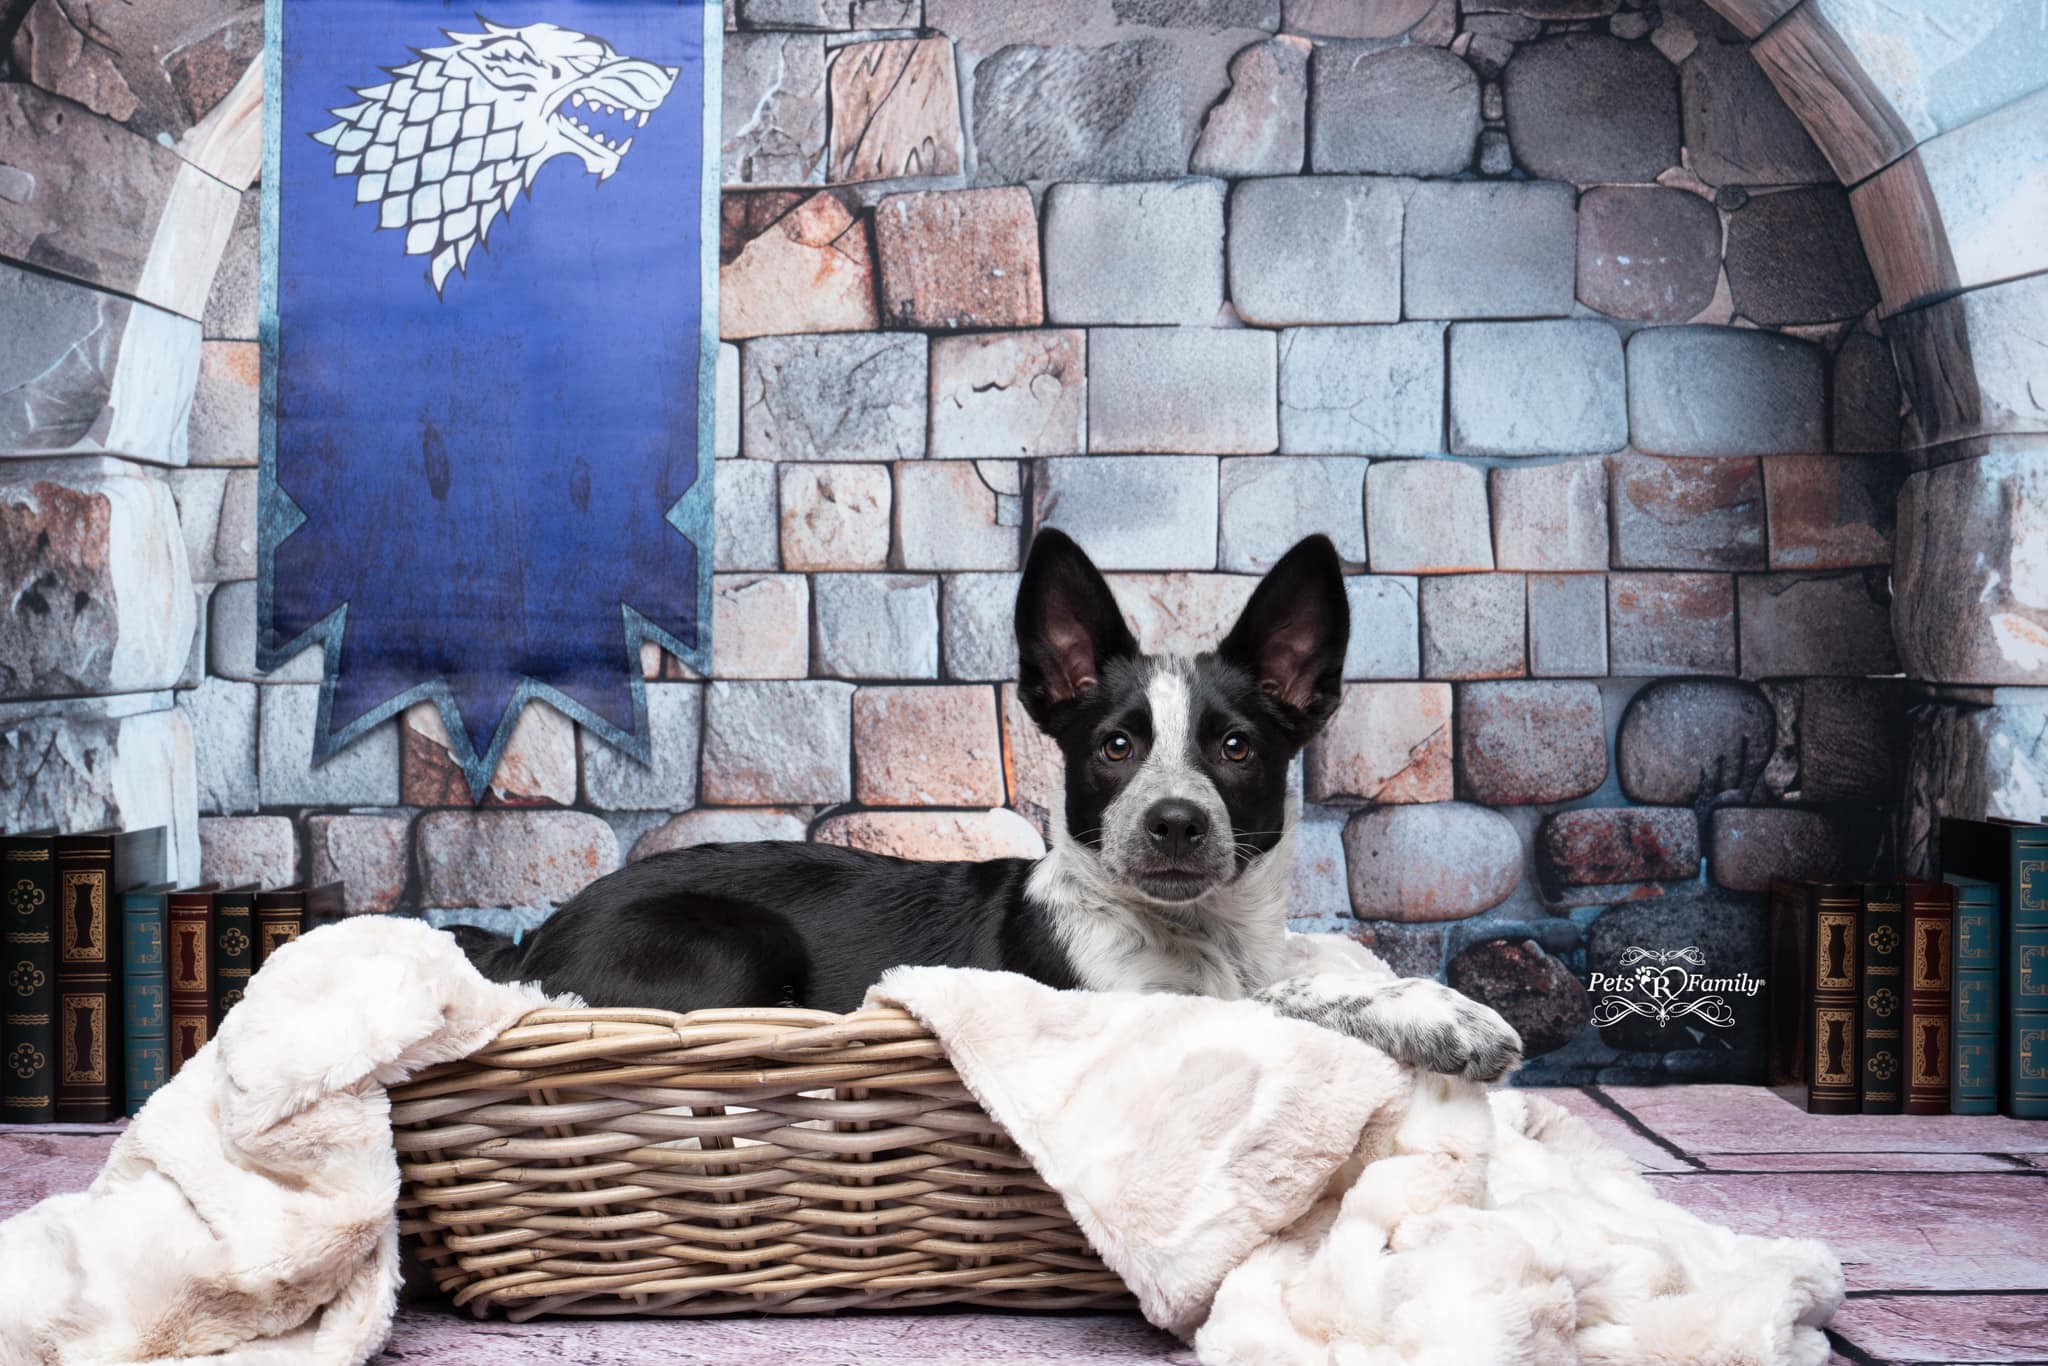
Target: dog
x: 1167, y: 869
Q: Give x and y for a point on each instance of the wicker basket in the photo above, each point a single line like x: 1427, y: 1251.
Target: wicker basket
x: 793, y: 1161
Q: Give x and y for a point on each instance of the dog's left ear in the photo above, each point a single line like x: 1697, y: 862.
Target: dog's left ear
x: 1293, y: 633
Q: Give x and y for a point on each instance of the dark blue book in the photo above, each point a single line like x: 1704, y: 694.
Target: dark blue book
x: 1973, y: 1072
x: 145, y: 1002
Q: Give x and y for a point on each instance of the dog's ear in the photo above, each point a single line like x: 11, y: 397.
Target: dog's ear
x: 1293, y: 633
x: 1068, y: 627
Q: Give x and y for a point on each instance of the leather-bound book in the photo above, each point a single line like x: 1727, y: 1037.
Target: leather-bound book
x: 2014, y: 858
x: 145, y: 999
x: 280, y: 918
x: 28, y: 980
x: 92, y: 870
x: 1973, y: 1057
x: 1832, y: 1087
x: 1788, y: 1044
x: 189, y: 970
x: 1882, y: 1018
x: 1930, y: 982
x: 232, y: 959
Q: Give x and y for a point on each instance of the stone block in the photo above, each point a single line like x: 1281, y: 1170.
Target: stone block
x: 1680, y: 734
x: 1184, y: 389
x: 231, y: 640
x: 1181, y: 614
x: 957, y: 259
x: 835, y: 516
x: 1391, y: 111
x: 222, y: 715
x: 721, y: 825
x: 1362, y: 390
x: 121, y: 762
x: 1317, y: 890
x: 1537, y: 388
x: 98, y: 592
x: 226, y: 405
x: 1066, y: 112
x: 927, y: 747
x: 777, y: 743
x: 1723, y: 391
x: 825, y: 16
x: 1687, y: 513
x: 538, y: 767
x: 1670, y: 624
x: 1132, y: 511
x: 1426, y: 517
x: 511, y: 858
x: 1033, y: 769
x: 1550, y: 517
x: 1647, y: 253
x: 1534, y: 992
x: 1731, y: 933
x: 760, y: 625
x: 1852, y: 739
x: 237, y: 850
x: 875, y: 626
x: 1529, y: 744
x: 1976, y: 365
x: 1261, y: 126
x: 1865, y: 391
x: 894, y: 110
x: 726, y: 437
x: 217, y: 515
x: 1316, y: 249
x: 1009, y: 394
x: 1830, y: 511
x: 1738, y: 130
x: 1386, y: 630
x: 1441, y: 861
x: 1387, y: 743
x: 107, y: 207
x: 1271, y: 502
x: 1567, y: 625
x: 363, y: 773
x: 976, y: 612
x: 159, y: 70
x: 1973, y: 761
x: 944, y: 836
x: 371, y: 856
x: 1817, y: 624
x: 1585, y: 107
x: 1148, y: 252
x: 857, y: 396
x: 957, y: 514
x: 86, y: 373
x: 746, y: 532
x: 1597, y: 846
x: 233, y: 303
x: 1751, y: 845
x: 773, y: 88
x: 794, y: 263
x: 1970, y: 601
x: 1480, y: 249
x: 1473, y: 626
x: 616, y: 781
x: 1794, y: 257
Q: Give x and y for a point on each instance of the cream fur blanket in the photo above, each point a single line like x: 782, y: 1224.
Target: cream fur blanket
x: 248, y: 1213
x: 1275, y: 1192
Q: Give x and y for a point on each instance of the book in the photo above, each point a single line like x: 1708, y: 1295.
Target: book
x: 280, y: 918
x: 188, y: 971
x: 1880, y: 1038
x: 1973, y: 1054
x: 2014, y: 858
x: 326, y: 904
x: 1930, y: 978
x: 1788, y: 1038
x: 232, y: 954
x: 92, y: 870
x: 1832, y: 1087
x: 145, y: 1002
x: 28, y: 1028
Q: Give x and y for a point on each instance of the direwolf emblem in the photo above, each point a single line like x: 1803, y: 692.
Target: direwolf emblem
x: 450, y: 141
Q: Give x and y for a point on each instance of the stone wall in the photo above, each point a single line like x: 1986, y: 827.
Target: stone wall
x: 1555, y: 316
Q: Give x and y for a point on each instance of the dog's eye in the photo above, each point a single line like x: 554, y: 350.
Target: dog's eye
x: 1117, y: 748
x: 1236, y: 748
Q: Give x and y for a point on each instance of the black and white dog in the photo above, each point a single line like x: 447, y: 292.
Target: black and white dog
x: 1168, y: 867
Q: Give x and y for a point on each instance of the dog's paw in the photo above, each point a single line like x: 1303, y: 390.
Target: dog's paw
x: 1413, y: 1020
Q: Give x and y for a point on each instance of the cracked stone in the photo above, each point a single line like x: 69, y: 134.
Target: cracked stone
x: 1362, y: 390
x: 1391, y: 111
x: 1271, y: 502
x: 1687, y: 513
x: 1969, y: 567
x: 949, y: 516
x: 835, y: 517
x: 1830, y: 511
x: 1008, y: 394
x: 1550, y: 517
x: 894, y: 110
x: 157, y: 69
x: 538, y: 767
x: 854, y: 396
x: 773, y: 88
x: 1387, y: 742
x: 806, y: 269
x: 1737, y: 128
x: 1679, y: 733
x: 1072, y: 113
x: 1261, y: 126
x: 1817, y: 624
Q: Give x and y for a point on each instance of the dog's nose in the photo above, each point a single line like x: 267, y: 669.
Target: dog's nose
x: 1176, y: 826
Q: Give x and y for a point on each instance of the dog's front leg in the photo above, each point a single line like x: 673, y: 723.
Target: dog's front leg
x: 1413, y: 1020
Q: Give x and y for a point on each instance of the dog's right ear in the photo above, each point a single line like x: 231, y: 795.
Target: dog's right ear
x: 1068, y: 628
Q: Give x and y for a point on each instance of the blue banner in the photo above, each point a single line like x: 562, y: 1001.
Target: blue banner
x: 490, y: 339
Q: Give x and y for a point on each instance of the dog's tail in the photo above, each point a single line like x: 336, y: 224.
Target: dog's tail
x: 496, y: 956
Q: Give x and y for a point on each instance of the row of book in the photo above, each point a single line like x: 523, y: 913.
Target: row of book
x: 1918, y: 996
x: 116, y: 977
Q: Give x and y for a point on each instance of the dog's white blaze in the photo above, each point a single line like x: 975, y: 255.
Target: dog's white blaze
x: 1169, y: 771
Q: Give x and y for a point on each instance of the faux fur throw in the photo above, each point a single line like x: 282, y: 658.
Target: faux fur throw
x: 247, y: 1215
x: 1275, y: 1192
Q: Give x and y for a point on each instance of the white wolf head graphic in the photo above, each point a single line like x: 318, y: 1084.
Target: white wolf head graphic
x: 450, y: 141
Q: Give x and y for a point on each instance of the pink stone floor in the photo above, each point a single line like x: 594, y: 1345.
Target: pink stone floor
x: 1941, y: 1225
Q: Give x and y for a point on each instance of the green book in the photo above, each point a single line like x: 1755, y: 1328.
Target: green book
x: 1973, y: 1065
x: 2013, y: 858
x: 145, y: 1003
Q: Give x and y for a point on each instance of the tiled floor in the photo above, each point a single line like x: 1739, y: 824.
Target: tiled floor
x: 1941, y: 1224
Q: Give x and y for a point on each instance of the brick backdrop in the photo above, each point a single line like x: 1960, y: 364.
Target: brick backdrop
x: 1554, y: 317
